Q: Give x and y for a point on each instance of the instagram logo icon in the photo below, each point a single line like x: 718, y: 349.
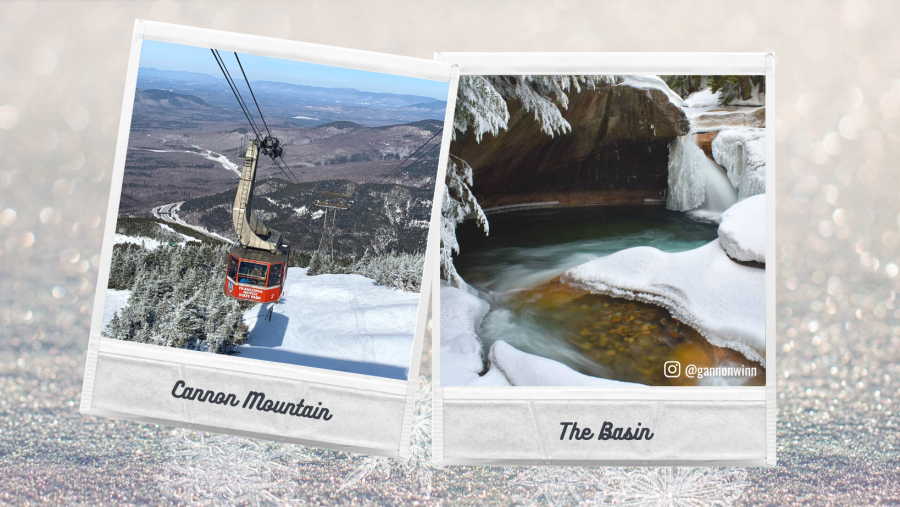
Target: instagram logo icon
x: 672, y: 369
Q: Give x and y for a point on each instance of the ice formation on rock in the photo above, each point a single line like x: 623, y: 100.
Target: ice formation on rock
x: 742, y: 231
x: 695, y: 181
x: 742, y: 152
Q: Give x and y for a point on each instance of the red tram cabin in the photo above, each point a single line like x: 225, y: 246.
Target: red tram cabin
x: 256, y: 275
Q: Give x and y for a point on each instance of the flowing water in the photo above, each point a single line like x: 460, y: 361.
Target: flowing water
x: 696, y: 182
x: 516, y: 270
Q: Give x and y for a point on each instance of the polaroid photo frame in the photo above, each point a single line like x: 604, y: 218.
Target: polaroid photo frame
x: 326, y: 406
x: 478, y: 421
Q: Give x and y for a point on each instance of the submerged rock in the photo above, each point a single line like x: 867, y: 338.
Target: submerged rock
x: 702, y: 288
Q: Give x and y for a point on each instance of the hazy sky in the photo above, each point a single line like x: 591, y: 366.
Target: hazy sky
x: 167, y: 56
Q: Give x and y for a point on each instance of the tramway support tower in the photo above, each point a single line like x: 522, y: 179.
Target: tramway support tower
x: 332, y: 202
x: 257, y: 264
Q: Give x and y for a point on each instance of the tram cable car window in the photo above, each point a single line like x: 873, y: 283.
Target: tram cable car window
x: 275, y: 275
x: 232, y: 266
x: 252, y: 273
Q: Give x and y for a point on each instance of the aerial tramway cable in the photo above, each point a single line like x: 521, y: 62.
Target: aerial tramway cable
x: 251, y: 93
x: 283, y: 167
x: 396, y: 170
x: 237, y: 95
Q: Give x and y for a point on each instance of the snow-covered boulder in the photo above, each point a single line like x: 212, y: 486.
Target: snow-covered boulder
x: 742, y: 231
x: 723, y: 300
x: 462, y: 353
x: 652, y: 83
x: 702, y: 98
x: 524, y: 369
x: 742, y: 152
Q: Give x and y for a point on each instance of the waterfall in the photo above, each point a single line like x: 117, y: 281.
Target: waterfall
x: 719, y: 194
x: 686, y: 188
x: 695, y: 181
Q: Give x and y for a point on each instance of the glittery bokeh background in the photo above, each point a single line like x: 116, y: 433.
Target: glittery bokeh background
x: 837, y: 114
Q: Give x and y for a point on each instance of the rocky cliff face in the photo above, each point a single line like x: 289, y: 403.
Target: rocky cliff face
x: 616, y: 153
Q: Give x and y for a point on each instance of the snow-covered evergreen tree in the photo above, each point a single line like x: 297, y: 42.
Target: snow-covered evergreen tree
x: 177, y: 298
x: 458, y: 204
x: 686, y: 85
x: 739, y: 88
x: 481, y: 105
x: 731, y: 89
x: 397, y: 270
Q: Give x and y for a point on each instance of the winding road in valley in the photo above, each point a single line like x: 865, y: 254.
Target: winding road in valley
x: 169, y: 213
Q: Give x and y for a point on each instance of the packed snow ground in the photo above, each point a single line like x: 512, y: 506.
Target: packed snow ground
x: 742, y: 231
x: 723, y: 300
x: 115, y: 301
x: 337, y: 322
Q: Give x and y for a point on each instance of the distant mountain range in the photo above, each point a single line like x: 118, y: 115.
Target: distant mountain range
x: 298, y: 104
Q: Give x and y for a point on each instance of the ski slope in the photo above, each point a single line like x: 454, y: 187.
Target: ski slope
x: 336, y: 322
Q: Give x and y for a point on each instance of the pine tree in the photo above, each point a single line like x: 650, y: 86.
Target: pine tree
x: 686, y: 85
x: 177, y: 299
x: 738, y: 88
x: 729, y: 88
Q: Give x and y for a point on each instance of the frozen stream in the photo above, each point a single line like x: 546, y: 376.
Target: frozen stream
x: 515, y: 269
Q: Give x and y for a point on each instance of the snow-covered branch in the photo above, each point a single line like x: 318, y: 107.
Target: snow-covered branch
x: 482, y: 107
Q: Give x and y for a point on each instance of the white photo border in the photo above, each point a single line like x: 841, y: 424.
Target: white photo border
x: 357, y: 384
x: 587, y: 63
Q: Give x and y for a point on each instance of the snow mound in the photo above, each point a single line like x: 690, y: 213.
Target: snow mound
x: 462, y: 358
x: 115, y: 301
x: 702, y: 98
x: 723, y: 300
x: 742, y: 231
x: 524, y: 369
x: 338, y: 322
x: 742, y: 152
x: 652, y: 82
